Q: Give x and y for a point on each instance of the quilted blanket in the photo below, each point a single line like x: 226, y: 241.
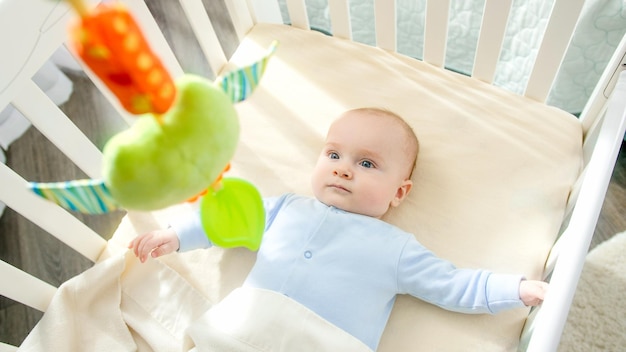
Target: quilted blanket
x: 601, y: 27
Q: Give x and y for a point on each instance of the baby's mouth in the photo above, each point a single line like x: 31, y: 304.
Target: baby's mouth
x: 339, y: 188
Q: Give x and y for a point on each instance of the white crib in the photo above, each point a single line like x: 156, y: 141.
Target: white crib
x: 39, y: 27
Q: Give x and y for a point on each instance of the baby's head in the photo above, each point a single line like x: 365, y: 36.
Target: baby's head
x: 366, y: 163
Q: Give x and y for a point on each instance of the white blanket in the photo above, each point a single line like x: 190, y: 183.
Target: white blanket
x: 119, y: 305
x: 123, y: 305
x: 252, y: 320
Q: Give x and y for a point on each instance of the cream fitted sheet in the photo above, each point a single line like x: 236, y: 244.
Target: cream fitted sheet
x: 490, y: 187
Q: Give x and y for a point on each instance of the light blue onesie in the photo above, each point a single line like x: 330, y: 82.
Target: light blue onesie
x: 348, y: 268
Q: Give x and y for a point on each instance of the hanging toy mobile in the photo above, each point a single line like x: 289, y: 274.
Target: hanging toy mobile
x: 182, y: 142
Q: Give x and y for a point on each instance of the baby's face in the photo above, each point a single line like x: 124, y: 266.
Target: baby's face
x: 363, y: 167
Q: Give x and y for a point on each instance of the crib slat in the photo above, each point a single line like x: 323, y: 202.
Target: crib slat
x: 298, y: 14
x: 598, y: 98
x: 155, y: 37
x: 157, y: 42
x: 240, y: 16
x: 340, y: 19
x: 7, y: 348
x: 492, y: 31
x: 104, y: 90
x: 558, y: 34
x: 50, y: 217
x: 42, y: 27
x: 54, y: 124
x: 265, y: 11
x: 385, y: 18
x: 205, y: 34
x: 25, y: 288
x: 436, y: 31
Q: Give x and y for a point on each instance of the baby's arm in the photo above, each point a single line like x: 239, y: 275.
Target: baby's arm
x: 532, y: 292
x: 155, y: 243
x: 184, y: 234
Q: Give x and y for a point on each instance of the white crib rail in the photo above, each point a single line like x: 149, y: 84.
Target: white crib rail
x: 262, y: 11
x: 553, y: 46
x: 603, y: 123
x: 436, y: 31
x: 491, y: 38
x: 50, y: 217
x: 57, y: 127
x: 574, y: 243
x: 25, y: 288
x: 298, y: 14
x: 203, y: 29
x: 241, y: 16
x: 385, y: 22
x: 7, y: 348
x: 340, y: 19
x: 594, y: 107
x: 33, y: 46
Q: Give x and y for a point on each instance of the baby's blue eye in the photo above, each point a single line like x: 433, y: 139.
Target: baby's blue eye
x: 333, y: 155
x: 367, y: 164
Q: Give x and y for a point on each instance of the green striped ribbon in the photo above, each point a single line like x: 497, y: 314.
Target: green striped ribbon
x: 240, y: 83
x: 85, y: 196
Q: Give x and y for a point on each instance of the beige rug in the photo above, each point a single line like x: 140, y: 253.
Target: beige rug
x: 597, y: 319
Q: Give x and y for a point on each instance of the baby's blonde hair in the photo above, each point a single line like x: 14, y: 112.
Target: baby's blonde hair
x: 412, y: 145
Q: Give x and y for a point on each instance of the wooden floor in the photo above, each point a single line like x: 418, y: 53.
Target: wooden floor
x: 26, y: 246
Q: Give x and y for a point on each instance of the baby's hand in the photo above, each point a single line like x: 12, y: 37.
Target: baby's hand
x: 532, y: 292
x: 154, y: 243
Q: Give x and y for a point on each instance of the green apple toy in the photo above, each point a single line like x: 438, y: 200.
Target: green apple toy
x: 162, y: 161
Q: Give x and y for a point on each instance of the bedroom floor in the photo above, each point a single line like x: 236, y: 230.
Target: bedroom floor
x: 35, y: 158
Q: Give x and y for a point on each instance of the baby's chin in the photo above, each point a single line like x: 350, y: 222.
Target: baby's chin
x: 348, y: 207
x: 337, y: 203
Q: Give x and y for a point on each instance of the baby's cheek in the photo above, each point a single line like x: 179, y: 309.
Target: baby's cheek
x: 375, y: 202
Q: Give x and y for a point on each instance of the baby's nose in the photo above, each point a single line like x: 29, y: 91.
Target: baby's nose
x: 343, y: 173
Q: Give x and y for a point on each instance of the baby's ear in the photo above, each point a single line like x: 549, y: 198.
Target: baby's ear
x: 402, y: 192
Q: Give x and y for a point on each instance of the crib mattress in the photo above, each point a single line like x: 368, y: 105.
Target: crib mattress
x: 493, y: 176
x: 490, y: 186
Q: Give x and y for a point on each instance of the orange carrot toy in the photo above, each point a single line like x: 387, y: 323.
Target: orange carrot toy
x: 109, y: 41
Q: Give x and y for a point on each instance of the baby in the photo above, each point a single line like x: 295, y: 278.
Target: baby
x: 334, y: 255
